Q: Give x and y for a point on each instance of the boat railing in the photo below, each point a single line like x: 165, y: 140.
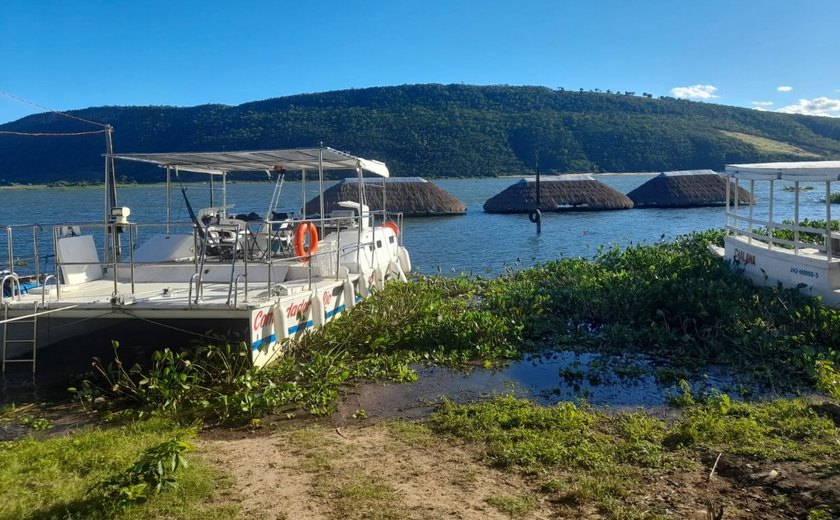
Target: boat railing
x: 798, y: 238
x: 193, y: 280
x: 825, y: 241
x: 241, y: 276
x: 44, y: 284
x: 110, y: 253
x: 11, y: 283
x: 382, y: 216
x: 20, y: 253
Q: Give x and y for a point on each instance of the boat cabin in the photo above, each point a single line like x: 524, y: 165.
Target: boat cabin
x: 794, y: 252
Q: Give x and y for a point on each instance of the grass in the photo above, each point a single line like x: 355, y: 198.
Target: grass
x: 771, y: 146
x: 319, y: 453
x: 348, y: 491
x: 513, y: 506
x: 413, y: 433
x: 52, y: 477
x: 355, y: 494
x: 584, y: 457
x: 781, y: 429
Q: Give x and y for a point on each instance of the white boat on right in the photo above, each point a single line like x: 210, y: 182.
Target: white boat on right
x: 770, y: 251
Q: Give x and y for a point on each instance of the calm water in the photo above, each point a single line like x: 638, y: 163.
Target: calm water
x: 547, y: 379
x: 478, y: 243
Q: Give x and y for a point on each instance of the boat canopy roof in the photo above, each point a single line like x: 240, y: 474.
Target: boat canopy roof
x: 296, y: 159
x: 810, y: 171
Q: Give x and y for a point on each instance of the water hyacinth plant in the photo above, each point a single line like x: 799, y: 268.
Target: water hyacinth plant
x: 673, y: 301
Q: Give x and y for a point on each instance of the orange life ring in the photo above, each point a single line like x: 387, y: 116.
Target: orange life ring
x: 390, y: 224
x: 303, y: 230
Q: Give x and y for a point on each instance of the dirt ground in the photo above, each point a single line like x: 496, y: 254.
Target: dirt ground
x: 305, y: 473
x: 396, y: 469
x: 385, y: 465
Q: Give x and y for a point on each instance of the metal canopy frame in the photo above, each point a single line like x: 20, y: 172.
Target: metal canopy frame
x: 804, y: 171
x: 295, y: 159
x: 319, y: 159
x: 825, y: 172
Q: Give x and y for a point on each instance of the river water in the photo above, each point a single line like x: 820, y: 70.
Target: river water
x: 478, y: 243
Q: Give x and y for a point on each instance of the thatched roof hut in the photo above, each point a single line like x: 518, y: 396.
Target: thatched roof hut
x: 412, y: 196
x: 558, y: 193
x: 685, y: 189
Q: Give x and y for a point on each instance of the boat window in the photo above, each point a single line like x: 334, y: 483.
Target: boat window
x: 391, y: 240
x: 378, y: 244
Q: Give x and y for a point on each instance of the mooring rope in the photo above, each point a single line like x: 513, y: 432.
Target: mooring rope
x: 172, y: 327
x: 39, y: 134
x: 48, y: 109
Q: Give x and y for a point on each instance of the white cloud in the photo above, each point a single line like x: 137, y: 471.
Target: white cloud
x: 762, y: 103
x: 821, y: 106
x: 694, y: 92
x: 784, y: 88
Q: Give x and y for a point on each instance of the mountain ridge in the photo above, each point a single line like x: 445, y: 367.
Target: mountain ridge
x: 433, y: 130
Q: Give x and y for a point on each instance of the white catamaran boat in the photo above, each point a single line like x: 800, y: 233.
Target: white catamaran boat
x: 259, y: 281
x: 801, y: 257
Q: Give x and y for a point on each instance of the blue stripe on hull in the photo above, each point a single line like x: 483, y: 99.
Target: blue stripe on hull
x: 265, y: 341
x: 295, y: 328
x: 337, y: 310
x: 301, y: 326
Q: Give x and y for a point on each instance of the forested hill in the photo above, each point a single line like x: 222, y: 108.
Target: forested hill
x: 435, y: 130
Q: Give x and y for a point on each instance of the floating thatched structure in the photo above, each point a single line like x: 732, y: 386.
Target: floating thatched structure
x: 558, y: 193
x: 685, y: 189
x: 411, y: 196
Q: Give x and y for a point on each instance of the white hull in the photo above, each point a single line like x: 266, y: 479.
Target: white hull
x: 805, y: 269
x: 264, y: 323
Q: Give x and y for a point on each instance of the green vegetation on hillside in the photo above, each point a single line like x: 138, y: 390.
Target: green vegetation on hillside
x: 434, y: 130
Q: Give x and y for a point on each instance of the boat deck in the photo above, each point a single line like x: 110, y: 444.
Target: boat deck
x: 100, y: 294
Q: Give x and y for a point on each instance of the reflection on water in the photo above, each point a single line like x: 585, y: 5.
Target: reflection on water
x: 604, y: 381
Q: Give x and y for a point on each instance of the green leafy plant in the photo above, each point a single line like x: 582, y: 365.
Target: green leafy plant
x: 673, y: 301
x: 22, y: 415
x: 827, y: 378
x: 153, y: 473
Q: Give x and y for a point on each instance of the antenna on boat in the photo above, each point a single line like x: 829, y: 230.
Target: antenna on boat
x: 321, y: 184
x: 110, y: 195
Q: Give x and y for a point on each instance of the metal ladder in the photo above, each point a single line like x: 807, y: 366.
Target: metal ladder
x: 31, y: 340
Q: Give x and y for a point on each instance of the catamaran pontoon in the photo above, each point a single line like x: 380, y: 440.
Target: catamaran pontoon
x: 798, y: 256
x: 262, y: 281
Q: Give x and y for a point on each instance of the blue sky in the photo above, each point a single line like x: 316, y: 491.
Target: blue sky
x: 74, y: 54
